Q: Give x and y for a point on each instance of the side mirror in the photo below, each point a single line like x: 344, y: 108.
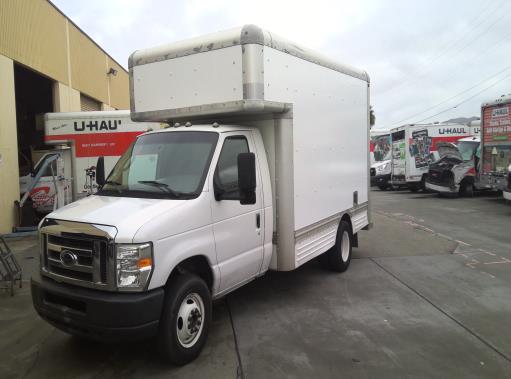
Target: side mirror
x: 100, y: 171
x: 247, y: 178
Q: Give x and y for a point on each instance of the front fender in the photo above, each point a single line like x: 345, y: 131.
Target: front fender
x: 171, y: 251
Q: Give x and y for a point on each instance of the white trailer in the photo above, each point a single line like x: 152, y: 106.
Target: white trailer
x: 78, y: 138
x: 412, y: 146
x: 266, y: 166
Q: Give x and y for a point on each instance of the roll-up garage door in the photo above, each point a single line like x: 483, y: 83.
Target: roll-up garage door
x: 89, y: 104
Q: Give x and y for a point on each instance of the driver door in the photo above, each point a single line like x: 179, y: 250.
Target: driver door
x: 238, y: 229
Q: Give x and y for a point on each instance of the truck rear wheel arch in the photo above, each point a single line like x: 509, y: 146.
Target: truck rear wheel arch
x: 198, y: 265
x: 346, y: 217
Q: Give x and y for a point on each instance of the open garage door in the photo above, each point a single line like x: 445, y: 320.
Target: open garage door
x: 34, y: 97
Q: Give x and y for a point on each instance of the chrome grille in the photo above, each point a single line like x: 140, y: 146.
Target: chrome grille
x: 69, y: 255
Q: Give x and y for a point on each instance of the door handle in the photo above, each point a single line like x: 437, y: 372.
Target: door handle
x: 258, y: 220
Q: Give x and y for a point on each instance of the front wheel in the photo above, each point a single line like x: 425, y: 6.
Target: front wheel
x: 185, y: 319
x: 338, y: 258
x: 467, y: 190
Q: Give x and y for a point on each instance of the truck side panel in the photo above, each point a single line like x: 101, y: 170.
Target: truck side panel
x: 329, y: 134
x: 217, y: 77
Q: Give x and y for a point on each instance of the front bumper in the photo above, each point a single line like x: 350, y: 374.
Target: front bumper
x: 380, y: 180
x: 95, y: 314
x: 506, y: 194
x: 440, y: 188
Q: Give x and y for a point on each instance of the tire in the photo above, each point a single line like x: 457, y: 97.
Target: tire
x: 338, y: 258
x: 382, y: 187
x: 187, y: 307
x: 413, y: 187
x: 467, y: 190
x: 423, y: 183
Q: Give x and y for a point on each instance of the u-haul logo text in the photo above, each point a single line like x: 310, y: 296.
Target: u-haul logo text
x: 96, y: 125
x: 500, y: 112
x: 452, y: 131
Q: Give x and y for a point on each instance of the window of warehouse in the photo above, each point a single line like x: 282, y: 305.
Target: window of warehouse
x: 89, y: 104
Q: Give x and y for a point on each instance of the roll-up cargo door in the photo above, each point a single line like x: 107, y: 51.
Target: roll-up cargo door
x: 89, y: 104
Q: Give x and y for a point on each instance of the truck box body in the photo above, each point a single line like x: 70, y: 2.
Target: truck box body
x: 413, y: 144
x: 314, y: 126
x: 80, y: 138
x: 495, y: 143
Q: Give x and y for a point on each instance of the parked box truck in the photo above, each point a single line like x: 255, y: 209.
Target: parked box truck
x: 380, y: 158
x: 412, y: 146
x: 266, y: 166
x: 78, y: 139
x: 496, y: 144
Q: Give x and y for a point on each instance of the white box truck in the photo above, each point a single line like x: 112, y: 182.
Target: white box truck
x: 78, y: 139
x: 381, y: 151
x: 496, y: 144
x: 266, y: 166
x: 412, y: 146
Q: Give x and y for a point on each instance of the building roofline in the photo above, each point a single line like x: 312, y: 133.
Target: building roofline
x: 85, y: 34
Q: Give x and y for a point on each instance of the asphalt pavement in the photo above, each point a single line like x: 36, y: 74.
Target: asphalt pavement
x: 428, y: 295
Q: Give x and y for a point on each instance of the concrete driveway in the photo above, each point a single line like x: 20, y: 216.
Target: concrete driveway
x: 422, y: 298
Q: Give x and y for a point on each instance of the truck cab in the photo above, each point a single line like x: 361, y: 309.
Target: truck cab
x: 381, y: 165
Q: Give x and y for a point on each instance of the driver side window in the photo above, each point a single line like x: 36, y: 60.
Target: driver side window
x: 226, y: 173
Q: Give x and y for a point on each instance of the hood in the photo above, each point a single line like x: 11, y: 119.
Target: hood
x: 130, y: 215
x: 377, y: 165
x: 447, y: 149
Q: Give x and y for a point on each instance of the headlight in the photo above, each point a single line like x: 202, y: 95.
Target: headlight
x: 386, y: 167
x: 134, y: 263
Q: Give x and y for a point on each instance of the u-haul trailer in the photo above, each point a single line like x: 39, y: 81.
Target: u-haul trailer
x: 411, y: 148
x: 78, y: 139
x: 496, y: 145
x: 267, y: 167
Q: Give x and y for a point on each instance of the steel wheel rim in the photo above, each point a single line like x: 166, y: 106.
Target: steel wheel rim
x: 190, y: 320
x: 345, y: 246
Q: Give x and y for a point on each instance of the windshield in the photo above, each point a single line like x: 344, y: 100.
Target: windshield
x: 382, y: 148
x: 163, y: 165
x: 467, y: 149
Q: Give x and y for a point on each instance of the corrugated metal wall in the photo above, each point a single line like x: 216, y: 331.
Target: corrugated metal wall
x: 34, y: 33
x: 87, y: 62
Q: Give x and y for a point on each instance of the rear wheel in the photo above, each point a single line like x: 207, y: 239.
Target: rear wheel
x: 467, y: 190
x: 338, y: 258
x: 185, y: 319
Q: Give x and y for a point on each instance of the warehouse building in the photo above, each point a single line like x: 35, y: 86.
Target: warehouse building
x: 47, y: 64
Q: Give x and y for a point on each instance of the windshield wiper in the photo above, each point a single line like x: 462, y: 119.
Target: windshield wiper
x: 113, y: 182
x: 163, y: 186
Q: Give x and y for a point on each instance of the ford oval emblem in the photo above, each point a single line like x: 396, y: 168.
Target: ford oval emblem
x: 68, y: 258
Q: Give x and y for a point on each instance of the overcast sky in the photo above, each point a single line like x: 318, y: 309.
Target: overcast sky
x: 419, y: 54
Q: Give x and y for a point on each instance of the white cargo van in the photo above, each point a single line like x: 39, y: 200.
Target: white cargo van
x: 78, y: 139
x: 412, y: 146
x: 266, y: 166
